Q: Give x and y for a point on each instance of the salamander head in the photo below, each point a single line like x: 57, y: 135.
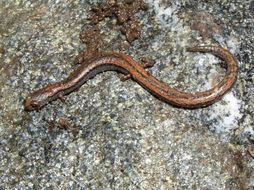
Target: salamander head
x: 37, y: 99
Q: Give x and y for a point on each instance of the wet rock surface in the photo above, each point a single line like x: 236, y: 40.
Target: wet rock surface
x: 115, y: 135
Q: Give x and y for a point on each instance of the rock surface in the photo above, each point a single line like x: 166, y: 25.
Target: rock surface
x: 118, y: 135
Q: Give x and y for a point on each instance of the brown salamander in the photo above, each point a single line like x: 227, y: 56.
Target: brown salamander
x: 125, y: 64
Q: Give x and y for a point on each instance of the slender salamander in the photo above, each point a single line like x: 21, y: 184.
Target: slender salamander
x: 125, y: 64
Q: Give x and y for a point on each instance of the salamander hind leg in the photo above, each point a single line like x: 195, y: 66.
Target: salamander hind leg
x: 146, y: 63
x: 85, y: 56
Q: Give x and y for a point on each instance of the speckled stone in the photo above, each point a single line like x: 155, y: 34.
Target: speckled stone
x: 121, y: 137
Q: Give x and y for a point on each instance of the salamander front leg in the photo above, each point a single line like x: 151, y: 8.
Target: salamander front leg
x: 62, y: 98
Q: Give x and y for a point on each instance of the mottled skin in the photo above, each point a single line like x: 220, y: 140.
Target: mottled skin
x: 125, y: 64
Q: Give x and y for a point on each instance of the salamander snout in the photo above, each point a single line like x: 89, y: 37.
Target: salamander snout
x: 36, y: 100
x: 31, y: 104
